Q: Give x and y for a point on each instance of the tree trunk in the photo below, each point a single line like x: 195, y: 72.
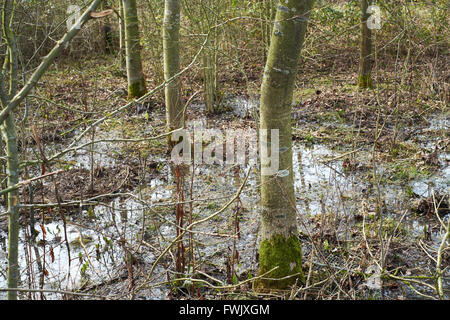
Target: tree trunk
x: 211, y: 58
x: 10, y: 138
x: 171, y: 28
x: 268, y: 10
x: 121, y: 35
x: 209, y: 71
x: 365, y: 59
x: 280, y: 246
x: 135, y: 75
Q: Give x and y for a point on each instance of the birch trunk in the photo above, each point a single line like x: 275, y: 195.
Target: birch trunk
x: 280, y: 246
x: 365, y: 59
x: 171, y: 47
x: 135, y: 75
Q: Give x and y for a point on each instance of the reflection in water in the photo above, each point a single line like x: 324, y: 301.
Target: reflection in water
x: 302, y: 181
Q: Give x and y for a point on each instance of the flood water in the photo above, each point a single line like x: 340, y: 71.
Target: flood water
x: 95, y: 253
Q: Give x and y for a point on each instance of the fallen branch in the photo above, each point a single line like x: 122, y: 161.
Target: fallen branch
x: 25, y: 182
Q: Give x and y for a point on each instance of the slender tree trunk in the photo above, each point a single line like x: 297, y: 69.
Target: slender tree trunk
x: 211, y: 58
x: 280, y: 246
x: 10, y: 138
x: 121, y: 36
x: 136, y: 81
x: 11, y: 51
x: 208, y: 77
x: 365, y: 59
x: 171, y: 29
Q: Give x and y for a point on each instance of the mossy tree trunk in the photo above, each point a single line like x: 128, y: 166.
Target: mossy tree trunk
x: 365, y: 54
x: 135, y: 75
x: 280, y: 246
x: 171, y: 47
x: 9, y: 136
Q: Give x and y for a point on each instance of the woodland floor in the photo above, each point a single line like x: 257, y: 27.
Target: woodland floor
x: 117, y: 198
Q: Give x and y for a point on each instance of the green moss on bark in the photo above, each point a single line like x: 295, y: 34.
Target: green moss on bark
x: 286, y: 254
x: 365, y: 54
x: 137, y: 89
x: 364, y: 82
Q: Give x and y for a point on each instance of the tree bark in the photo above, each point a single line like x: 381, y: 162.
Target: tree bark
x: 135, y: 75
x: 171, y: 47
x: 365, y: 59
x: 268, y: 10
x: 121, y: 35
x: 211, y: 58
x: 209, y: 72
x: 280, y: 246
x: 10, y: 138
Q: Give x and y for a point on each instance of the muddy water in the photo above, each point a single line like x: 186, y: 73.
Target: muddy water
x: 322, y: 185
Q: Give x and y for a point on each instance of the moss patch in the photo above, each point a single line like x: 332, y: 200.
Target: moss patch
x: 137, y: 89
x: 365, y: 82
x: 284, y: 253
